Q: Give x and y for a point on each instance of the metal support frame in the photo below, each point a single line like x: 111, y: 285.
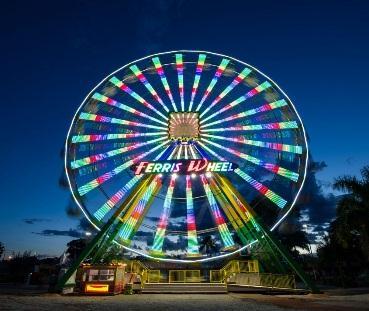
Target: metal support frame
x: 275, y: 246
x: 102, y: 238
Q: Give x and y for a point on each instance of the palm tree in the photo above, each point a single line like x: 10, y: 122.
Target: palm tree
x: 351, y: 227
x: 208, y: 244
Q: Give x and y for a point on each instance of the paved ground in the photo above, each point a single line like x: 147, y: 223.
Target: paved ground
x: 162, y: 302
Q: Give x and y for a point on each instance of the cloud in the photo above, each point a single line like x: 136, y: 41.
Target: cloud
x: 154, y: 219
x: 51, y: 232
x: 31, y: 221
x: 317, y: 209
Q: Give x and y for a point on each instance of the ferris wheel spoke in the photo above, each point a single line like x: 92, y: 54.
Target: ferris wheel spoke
x: 192, y: 242
x: 265, y: 85
x: 258, y: 143
x: 137, y: 72
x: 192, y: 151
x: 118, y: 83
x: 264, y: 190
x: 247, y: 113
x: 179, y: 153
x: 131, y: 225
x: 276, y: 169
x: 93, y: 138
x: 108, y: 205
x: 218, y: 218
x: 157, y: 246
x: 174, y: 151
x: 101, y: 156
x: 114, y: 103
x: 240, y: 77
x: 115, y: 199
x: 186, y: 152
x: 103, y: 119
x: 232, y: 211
x: 199, y: 67
x: 256, y: 127
x: 223, y: 65
x: 179, y: 66
x: 164, y: 81
x: 82, y: 190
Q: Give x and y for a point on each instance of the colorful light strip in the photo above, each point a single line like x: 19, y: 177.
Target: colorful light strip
x: 192, y: 152
x: 257, y: 143
x: 186, y: 152
x: 108, y: 205
x: 257, y: 127
x: 192, y: 242
x: 114, y: 103
x: 263, y: 108
x: 105, y: 208
x: 118, y: 83
x: 199, y: 67
x: 90, y: 138
x: 218, y: 218
x: 269, y: 166
x: 230, y: 212
x: 272, y: 196
x: 223, y: 65
x: 137, y: 72
x: 179, y: 151
x: 265, y: 85
x: 163, y: 222
x: 103, y: 178
x: 240, y: 77
x: 104, y: 119
x: 179, y: 66
x: 164, y: 81
x: 126, y: 231
x: 98, y: 157
x: 243, y: 211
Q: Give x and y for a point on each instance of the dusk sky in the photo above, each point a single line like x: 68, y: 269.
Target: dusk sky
x: 53, y: 54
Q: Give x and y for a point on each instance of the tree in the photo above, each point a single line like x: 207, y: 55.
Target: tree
x: 351, y: 226
x: 75, y: 247
x: 2, y: 249
x: 344, y: 255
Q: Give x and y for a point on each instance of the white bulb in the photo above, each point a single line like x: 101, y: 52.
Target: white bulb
x: 208, y: 174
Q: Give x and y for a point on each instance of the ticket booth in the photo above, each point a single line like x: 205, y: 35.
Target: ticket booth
x: 100, y: 279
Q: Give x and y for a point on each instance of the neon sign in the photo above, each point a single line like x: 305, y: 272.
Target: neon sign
x: 183, y: 167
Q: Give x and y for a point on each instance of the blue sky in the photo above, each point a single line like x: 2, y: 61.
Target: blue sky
x: 53, y: 54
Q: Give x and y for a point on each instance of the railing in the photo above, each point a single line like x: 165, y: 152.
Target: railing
x: 231, y: 268
x: 140, y: 269
x: 264, y: 280
x: 153, y: 276
x: 184, y: 276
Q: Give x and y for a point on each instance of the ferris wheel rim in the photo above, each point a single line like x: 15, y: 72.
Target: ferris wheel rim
x: 273, y: 227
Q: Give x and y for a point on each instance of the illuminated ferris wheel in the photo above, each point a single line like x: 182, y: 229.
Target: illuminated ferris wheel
x: 181, y: 148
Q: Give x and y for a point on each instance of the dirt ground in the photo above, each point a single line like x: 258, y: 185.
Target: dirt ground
x: 164, y: 302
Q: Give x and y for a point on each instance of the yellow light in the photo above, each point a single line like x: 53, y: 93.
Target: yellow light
x: 97, y: 288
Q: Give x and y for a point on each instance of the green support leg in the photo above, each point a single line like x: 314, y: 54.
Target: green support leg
x: 101, y: 234
x: 269, y: 237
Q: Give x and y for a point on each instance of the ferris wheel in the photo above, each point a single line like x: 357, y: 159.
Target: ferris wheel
x: 181, y: 150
